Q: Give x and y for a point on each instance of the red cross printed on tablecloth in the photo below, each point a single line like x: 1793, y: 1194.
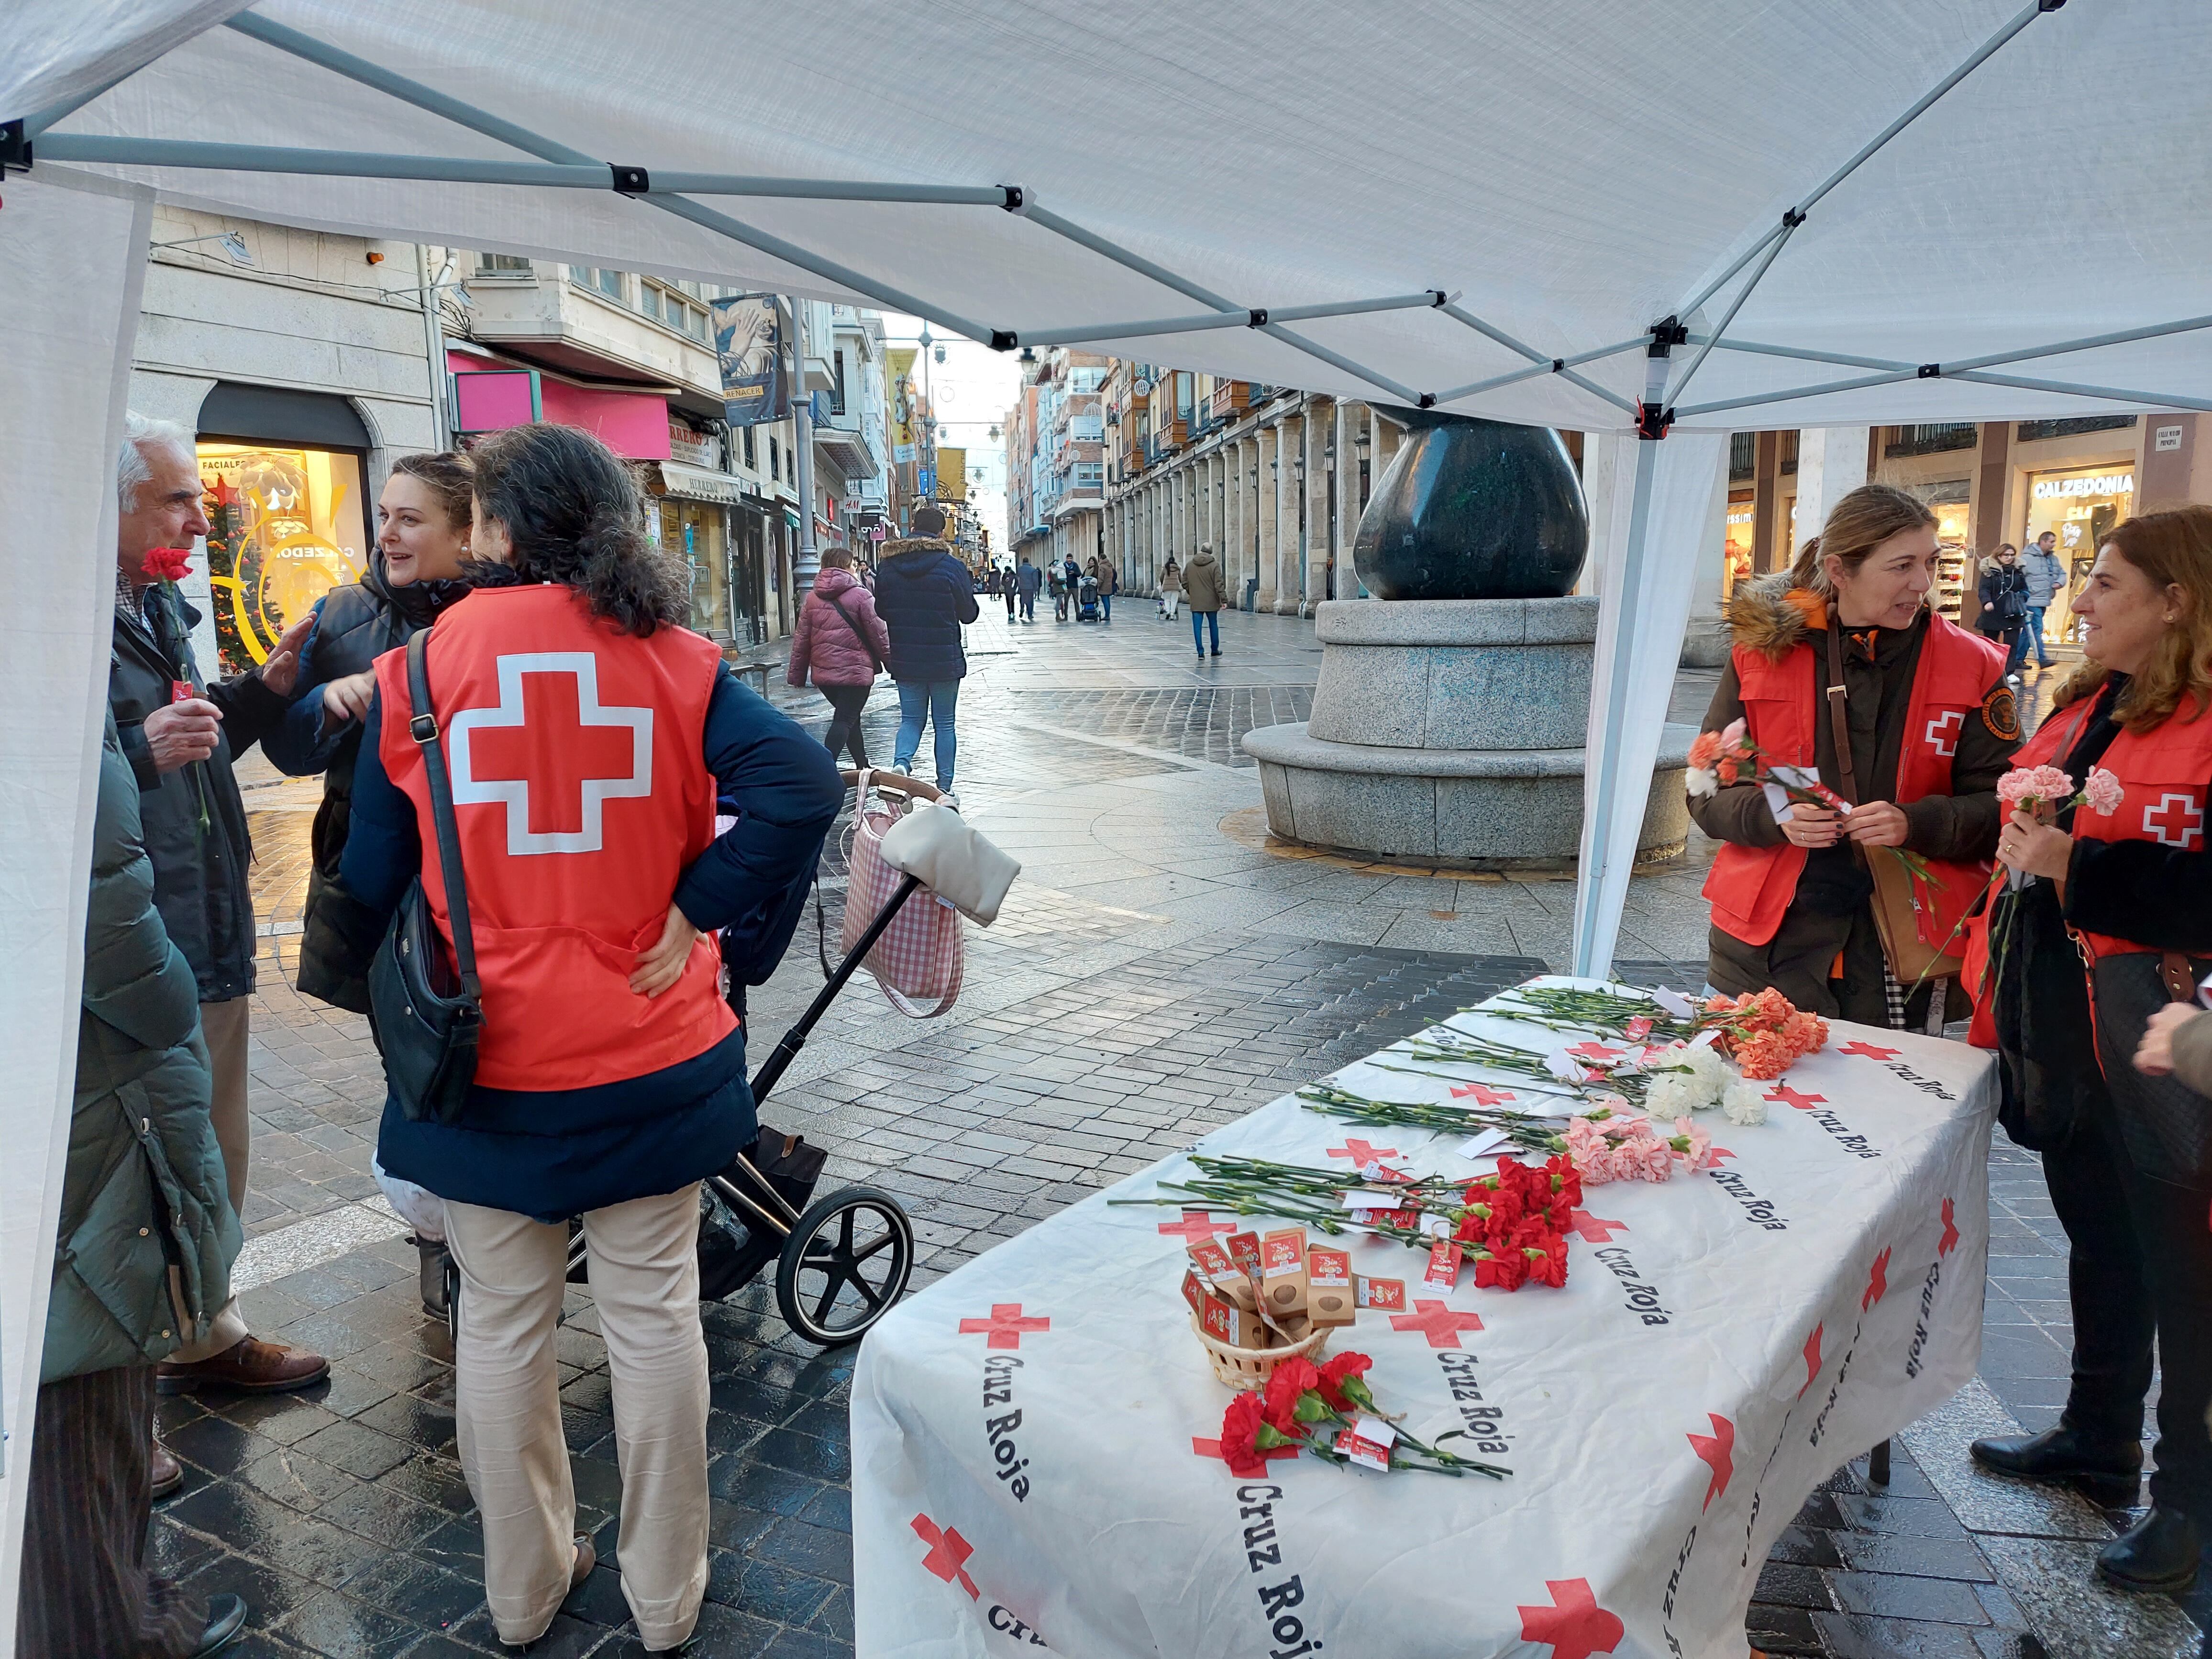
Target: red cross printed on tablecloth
x: 1877, y: 1282
x: 1717, y: 1154
x: 1438, y: 1322
x: 2179, y: 813
x: 1574, y: 1625
x: 1949, y: 1242
x: 1196, y: 1224
x: 1718, y: 1450
x: 1483, y: 1094
x: 948, y: 1551
x: 1803, y: 1103
x: 1946, y: 725
x: 1812, y: 1357
x: 1870, y: 1051
x: 1006, y: 1327
x: 551, y: 752
x: 1360, y: 1152
x: 1592, y: 1049
x: 1251, y: 1471
x: 1596, y: 1230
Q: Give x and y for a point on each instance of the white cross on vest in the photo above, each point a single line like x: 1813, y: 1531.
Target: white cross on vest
x: 606, y: 755
x: 1946, y: 725
x: 2176, y: 813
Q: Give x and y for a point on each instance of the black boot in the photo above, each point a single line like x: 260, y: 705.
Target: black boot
x: 2158, y: 1553
x: 431, y: 1278
x: 2109, y: 1474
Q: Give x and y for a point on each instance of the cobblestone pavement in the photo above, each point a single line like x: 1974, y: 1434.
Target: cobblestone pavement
x: 1155, y: 974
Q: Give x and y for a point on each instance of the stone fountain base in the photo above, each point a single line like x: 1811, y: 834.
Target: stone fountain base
x: 1452, y: 731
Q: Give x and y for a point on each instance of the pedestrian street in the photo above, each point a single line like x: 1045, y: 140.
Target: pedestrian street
x: 1159, y: 969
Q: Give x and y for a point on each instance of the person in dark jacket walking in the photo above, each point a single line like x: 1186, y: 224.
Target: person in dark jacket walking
x: 414, y: 572
x: 2004, y: 606
x: 610, y: 1077
x: 1029, y: 579
x: 179, y: 735
x: 840, y: 641
x: 923, y: 595
x: 141, y: 1264
x: 1010, y: 589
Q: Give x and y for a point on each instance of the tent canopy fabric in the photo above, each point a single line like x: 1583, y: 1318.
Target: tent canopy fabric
x: 1845, y: 196
x: 1571, y: 173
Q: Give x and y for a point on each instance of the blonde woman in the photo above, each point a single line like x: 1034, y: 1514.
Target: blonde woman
x: 2128, y: 1148
x: 1923, y: 728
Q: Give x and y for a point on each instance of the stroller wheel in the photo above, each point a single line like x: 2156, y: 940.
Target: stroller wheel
x: 452, y: 1301
x: 844, y: 1266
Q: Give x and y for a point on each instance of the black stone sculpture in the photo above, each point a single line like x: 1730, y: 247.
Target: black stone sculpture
x: 1474, y: 509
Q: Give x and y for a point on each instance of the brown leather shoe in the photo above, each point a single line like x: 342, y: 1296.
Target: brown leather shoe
x: 586, y: 1559
x: 164, y: 1473
x: 252, y: 1366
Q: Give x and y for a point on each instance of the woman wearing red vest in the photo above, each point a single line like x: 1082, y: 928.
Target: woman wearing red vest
x: 588, y: 735
x: 2127, y: 1154
x: 1931, y: 728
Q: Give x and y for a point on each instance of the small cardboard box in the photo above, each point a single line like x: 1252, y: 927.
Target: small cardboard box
x: 1328, y: 1286
x: 1387, y: 1294
x: 1224, y: 1322
x: 1222, y: 1276
x: 1283, y: 1271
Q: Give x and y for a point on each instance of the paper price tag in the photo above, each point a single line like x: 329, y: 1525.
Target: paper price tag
x: 1357, y: 1200
x: 1704, y: 1040
x: 1563, y: 1066
x: 1367, y: 1443
x: 1675, y: 1003
x: 181, y: 692
x: 1475, y: 1145
x: 1442, y: 1271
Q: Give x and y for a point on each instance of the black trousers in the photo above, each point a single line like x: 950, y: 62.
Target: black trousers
x: 844, y: 732
x: 2139, y: 1268
x: 85, y: 1591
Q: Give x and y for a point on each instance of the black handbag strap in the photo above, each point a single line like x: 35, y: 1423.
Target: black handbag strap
x: 424, y: 728
x: 867, y: 644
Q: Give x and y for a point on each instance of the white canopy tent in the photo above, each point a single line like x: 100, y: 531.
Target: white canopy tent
x: 1673, y: 220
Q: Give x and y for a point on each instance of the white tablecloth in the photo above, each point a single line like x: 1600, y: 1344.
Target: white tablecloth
x: 1723, y: 1343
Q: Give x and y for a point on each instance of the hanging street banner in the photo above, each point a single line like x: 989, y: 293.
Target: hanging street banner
x: 899, y: 361
x: 952, y: 482
x: 750, y: 346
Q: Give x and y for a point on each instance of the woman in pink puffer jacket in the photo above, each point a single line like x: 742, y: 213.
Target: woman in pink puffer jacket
x: 842, y: 642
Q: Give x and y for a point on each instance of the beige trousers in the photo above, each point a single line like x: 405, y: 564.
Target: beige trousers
x: 644, y: 1279
x: 224, y: 1026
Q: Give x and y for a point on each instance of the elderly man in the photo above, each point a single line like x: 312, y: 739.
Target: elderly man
x: 179, y: 735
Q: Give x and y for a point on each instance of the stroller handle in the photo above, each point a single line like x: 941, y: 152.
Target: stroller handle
x: 896, y: 782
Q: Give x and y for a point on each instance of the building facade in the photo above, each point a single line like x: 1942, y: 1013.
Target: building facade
x: 1055, y: 441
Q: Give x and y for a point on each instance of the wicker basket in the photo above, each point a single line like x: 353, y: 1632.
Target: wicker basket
x: 1250, y: 1368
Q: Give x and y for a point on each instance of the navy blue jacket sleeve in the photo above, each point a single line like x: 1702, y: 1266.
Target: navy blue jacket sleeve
x: 384, y: 844
x: 751, y: 884
x: 299, y: 747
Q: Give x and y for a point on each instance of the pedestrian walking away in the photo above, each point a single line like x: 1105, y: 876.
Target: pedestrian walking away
x: 1029, y: 578
x: 1109, y: 584
x: 923, y: 594
x: 609, y: 1082
x: 2126, y: 1145
x: 180, y: 735
x: 840, y: 643
x: 142, y: 1265
x: 2003, y: 593
x: 1171, y: 589
x: 1009, y: 590
x: 2046, y: 580
x: 1203, y: 585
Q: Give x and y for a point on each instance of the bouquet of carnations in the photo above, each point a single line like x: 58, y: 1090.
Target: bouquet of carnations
x: 1629, y: 1149
x: 1764, y: 1031
x: 2043, y: 791
x: 1327, y: 1411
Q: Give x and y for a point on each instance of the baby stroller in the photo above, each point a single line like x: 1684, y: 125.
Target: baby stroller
x: 843, y: 1261
x: 1087, y: 601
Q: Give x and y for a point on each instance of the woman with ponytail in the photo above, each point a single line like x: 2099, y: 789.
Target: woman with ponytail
x: 1840, y: 667
x: 2105, y: 922
x: 589, y: 736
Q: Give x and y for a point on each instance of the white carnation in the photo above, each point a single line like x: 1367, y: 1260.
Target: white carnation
x: 1702, y: 781
x: 1675, y: 1094
x: 1713, y: 1073
x: 1744, y: 1102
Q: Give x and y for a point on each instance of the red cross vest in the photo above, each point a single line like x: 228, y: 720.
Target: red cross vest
x: 581, y: 796
x: 1750, y: 888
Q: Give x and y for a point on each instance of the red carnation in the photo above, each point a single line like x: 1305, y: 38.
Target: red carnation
x: 1506, y: 1271
x: 1279, y: 1401
x: 168, y: 564
x: 1240, y: 1428
x: 1339, y: 1380
x: 1550, y: 1267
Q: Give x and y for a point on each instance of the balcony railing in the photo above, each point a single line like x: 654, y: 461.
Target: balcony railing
x: 1932, y: 440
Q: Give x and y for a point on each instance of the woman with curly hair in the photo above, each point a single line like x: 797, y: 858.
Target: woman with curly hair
x: 588, y: 735
x: 2105, y: 922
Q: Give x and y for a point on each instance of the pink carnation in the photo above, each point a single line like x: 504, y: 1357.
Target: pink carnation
x: 1648, y: 1159
x: 2033, y: 786
x: 2103, y: 793
x: 1700, y: 1152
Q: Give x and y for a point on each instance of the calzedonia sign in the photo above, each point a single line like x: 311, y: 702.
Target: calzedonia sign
x: 2103, y: 484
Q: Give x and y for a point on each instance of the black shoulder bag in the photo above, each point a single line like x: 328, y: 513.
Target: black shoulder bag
x: 428, y: 1008
x: 867, y: 644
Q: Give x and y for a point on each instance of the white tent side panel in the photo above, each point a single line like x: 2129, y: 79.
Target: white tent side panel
x: 72, y: 262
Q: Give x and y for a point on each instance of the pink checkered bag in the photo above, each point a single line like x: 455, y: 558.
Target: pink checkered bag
x: 919, y: 958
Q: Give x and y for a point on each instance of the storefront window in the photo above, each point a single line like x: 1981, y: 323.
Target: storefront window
x: 285, y: 527
x: 1735, y: 561
x: 692, y: 530
x: 2081, y: 506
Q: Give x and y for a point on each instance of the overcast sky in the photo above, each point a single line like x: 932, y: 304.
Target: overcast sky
x: 974, y: 387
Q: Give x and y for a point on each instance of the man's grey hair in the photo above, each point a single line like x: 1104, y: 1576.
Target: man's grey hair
x: 140, y: 433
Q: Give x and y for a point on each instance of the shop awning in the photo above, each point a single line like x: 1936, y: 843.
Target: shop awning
x: 695, y: 483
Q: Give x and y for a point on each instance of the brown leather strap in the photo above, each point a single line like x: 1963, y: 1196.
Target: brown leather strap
x: 2181, y: 978
x: 1838, y: 719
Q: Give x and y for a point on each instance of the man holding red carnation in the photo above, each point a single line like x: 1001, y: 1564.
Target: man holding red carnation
x: 179, y: 733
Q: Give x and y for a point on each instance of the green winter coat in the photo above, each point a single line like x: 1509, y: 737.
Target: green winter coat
x: 142, y: 1260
